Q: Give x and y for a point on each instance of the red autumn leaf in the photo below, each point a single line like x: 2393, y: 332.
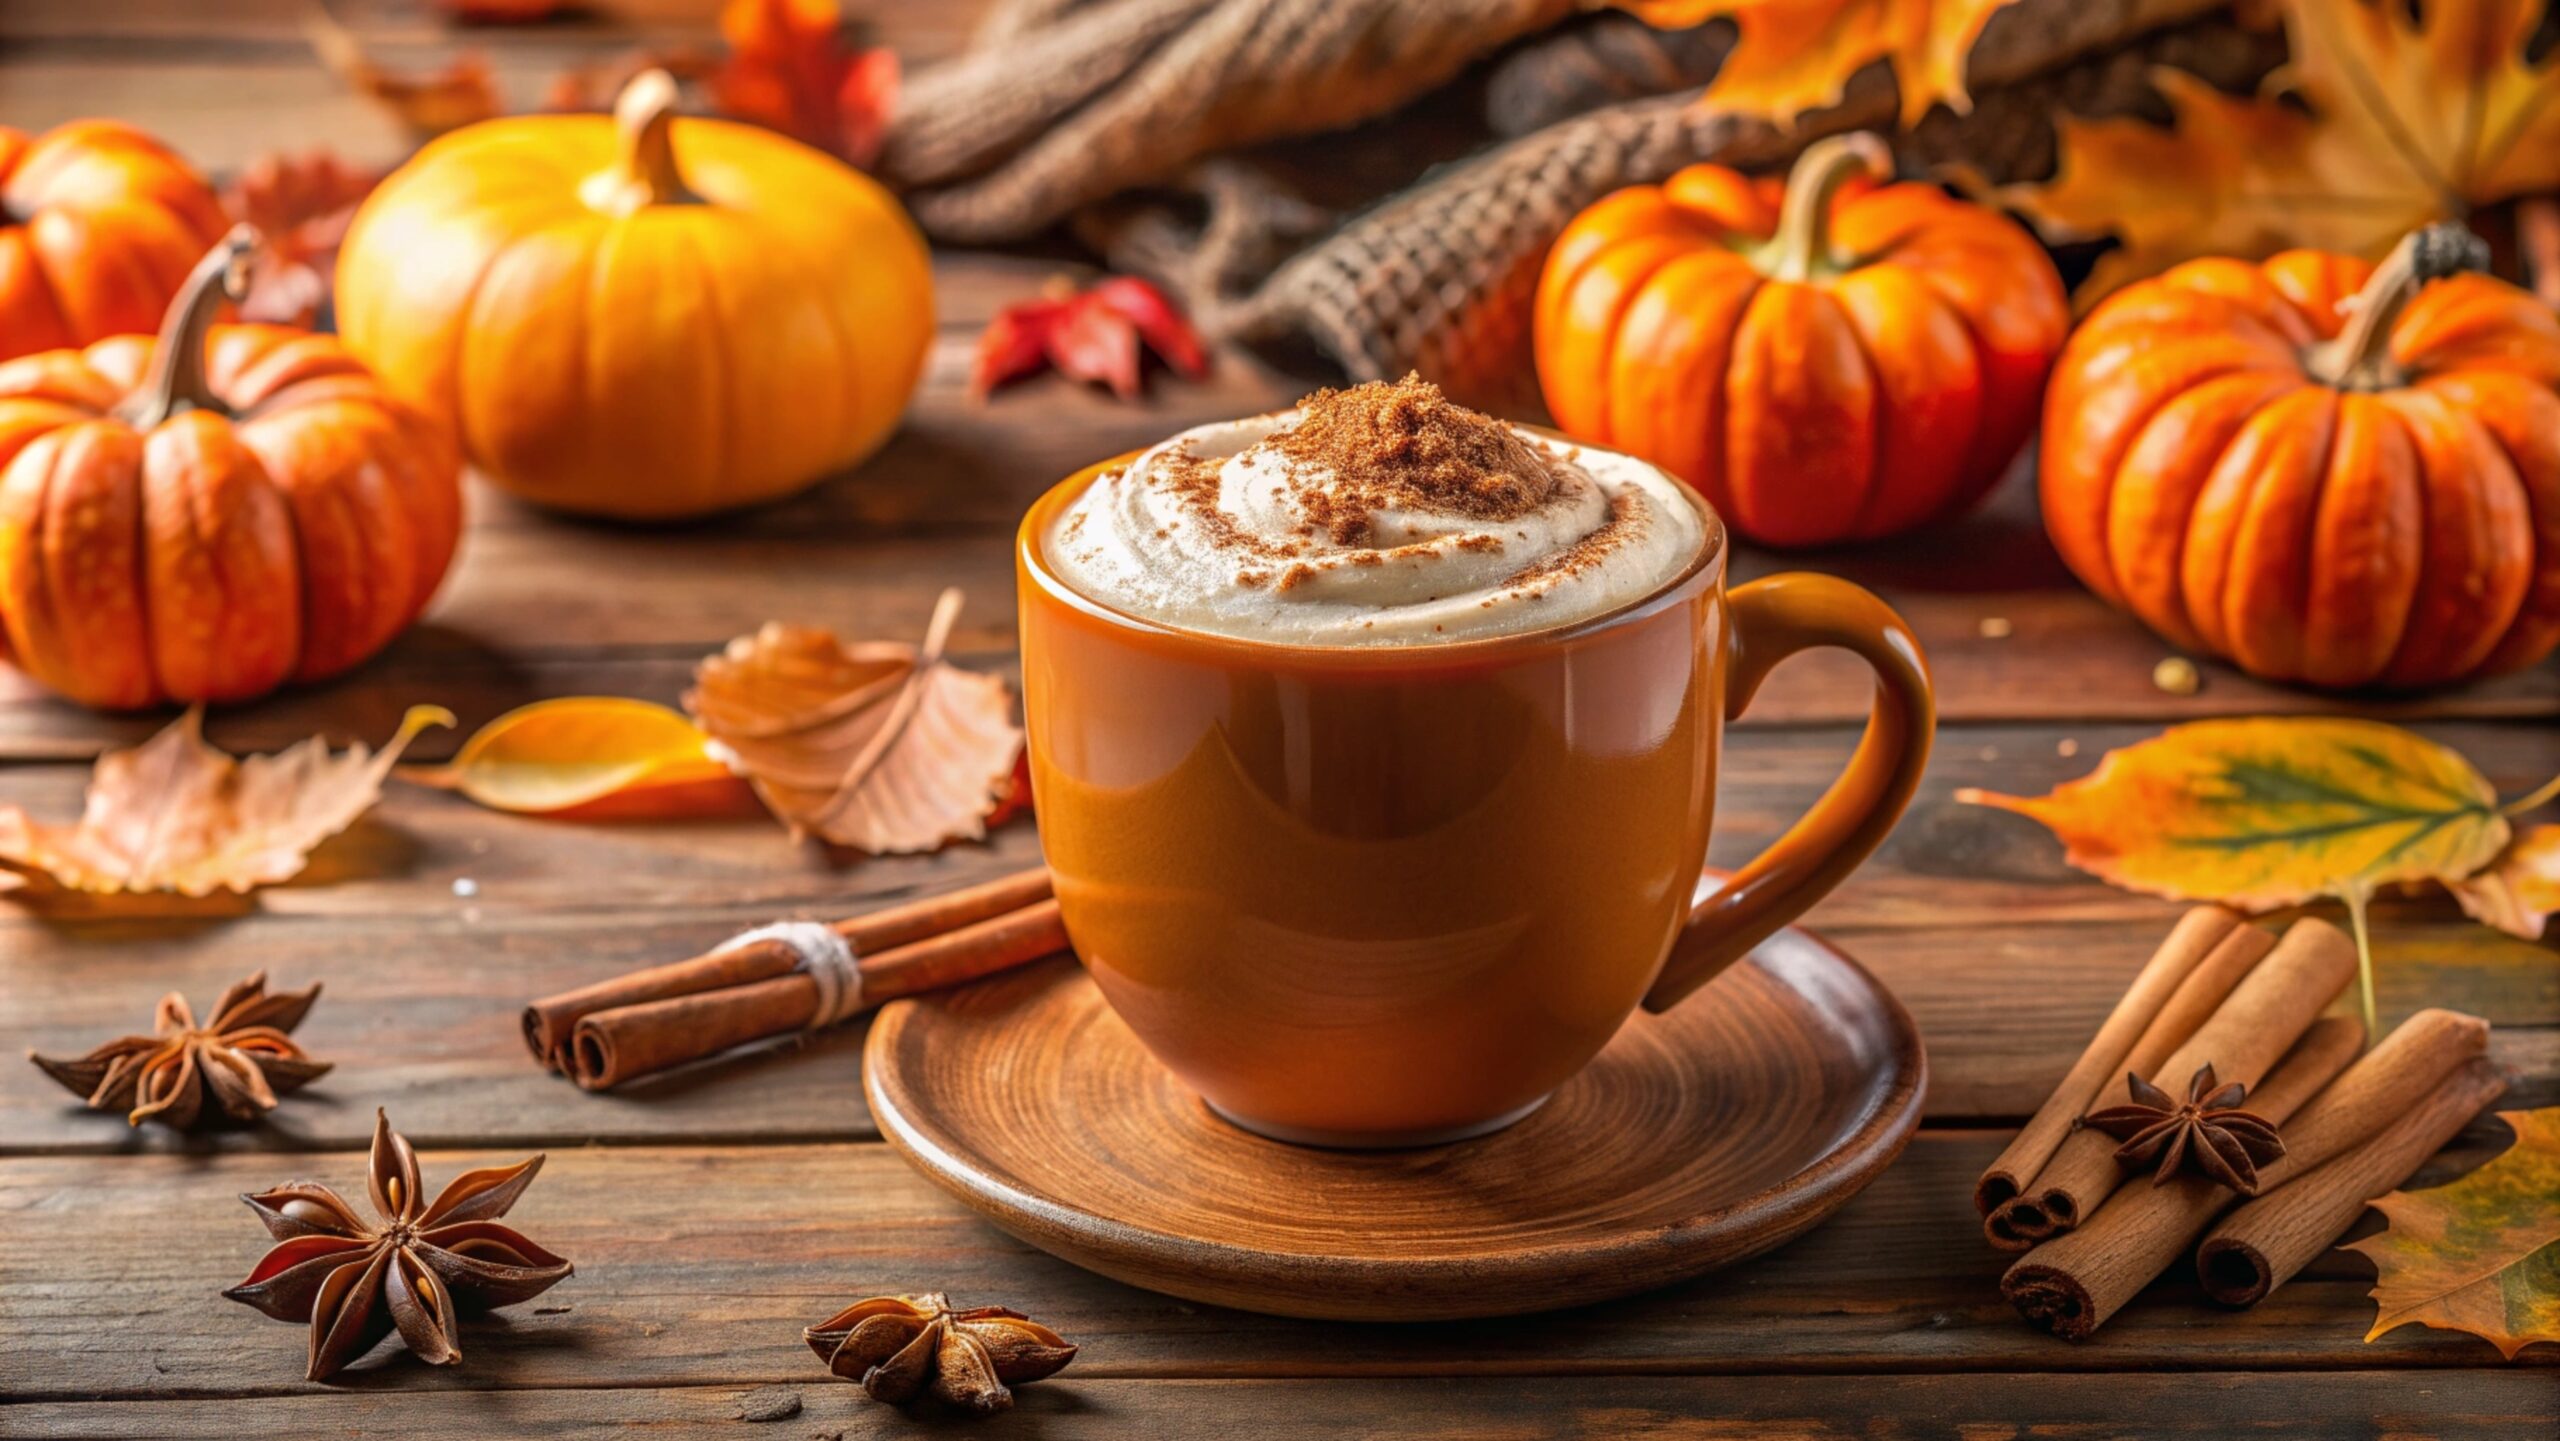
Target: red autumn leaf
x: 789, y: 69
x: 1090, y: 335
x: 1017, y: 792
x: 301, y: 205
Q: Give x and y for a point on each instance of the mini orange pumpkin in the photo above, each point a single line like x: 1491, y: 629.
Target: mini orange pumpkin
x: 646, y: 317
x: 2321, y: 483
x: 208, y: 516
x: 1830, y: 361
x: 99, y: 224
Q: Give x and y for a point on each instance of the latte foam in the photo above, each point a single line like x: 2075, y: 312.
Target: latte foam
x: 1379, y: 515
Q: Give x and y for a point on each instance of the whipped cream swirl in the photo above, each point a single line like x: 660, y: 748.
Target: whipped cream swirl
x: 1381, y: 515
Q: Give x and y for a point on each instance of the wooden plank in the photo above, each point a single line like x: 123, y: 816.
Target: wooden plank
x: 2483, y: 1405
x: 558, y: 609
x: 421, y: 1017
x: 1948, y: 865
x: 700, y: 1266
x: 225, y: 83
x: 434, y: 921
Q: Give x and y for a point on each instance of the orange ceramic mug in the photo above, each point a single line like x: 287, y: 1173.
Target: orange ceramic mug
x: 1379, y: 896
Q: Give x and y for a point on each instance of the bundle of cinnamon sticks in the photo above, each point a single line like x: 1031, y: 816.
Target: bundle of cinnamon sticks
x: 789, y: 978
x: 2224, y: 993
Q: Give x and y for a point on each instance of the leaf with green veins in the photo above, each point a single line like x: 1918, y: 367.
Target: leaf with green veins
x: 2481, y: 1254
x: 2269, y: 812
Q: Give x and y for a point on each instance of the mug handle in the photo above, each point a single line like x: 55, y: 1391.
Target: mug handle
x: 1772, y: 619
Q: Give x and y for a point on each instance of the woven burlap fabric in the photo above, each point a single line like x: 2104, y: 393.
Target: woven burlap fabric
x: 1062, y: 104
x: 1603, y: 58
x: 1124, y: 116
x: 1439, y: 279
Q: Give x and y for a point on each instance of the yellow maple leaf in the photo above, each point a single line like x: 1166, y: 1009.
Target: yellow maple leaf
x: 2377, y: 124
x: 1790, y: 56
x: 2481, y: 1254
x: 2520, y: 892
x: 174, y: 814
x: 2274, y: 811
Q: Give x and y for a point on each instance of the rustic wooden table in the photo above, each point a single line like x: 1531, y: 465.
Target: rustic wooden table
x: 712, y: 1216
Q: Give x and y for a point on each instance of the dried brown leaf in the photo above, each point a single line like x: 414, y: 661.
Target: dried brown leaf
x: 881, y: 746
x: 174, y: 814
x: 427, y: 104
x: 2519, y: 892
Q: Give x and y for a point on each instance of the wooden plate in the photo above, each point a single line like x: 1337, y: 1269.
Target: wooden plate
x: 1696, y: 1139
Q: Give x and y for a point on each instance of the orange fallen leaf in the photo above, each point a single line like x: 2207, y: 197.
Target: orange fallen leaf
x: 789, y: 69
x: 2481, y: 1254
x: 2520, y: 891
x: 2379, y: 124
x: 589, y: 758
x: 464, y: 92
x: 300, y: 205
x: 174, y: 814
x: 1790, y: 56
x: 880, y: 746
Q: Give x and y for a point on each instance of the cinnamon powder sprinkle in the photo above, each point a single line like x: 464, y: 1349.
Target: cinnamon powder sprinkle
x: 1629, y: 517
x: 1405, y: 446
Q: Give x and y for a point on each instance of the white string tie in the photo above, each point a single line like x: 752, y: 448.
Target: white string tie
x: 824, y: 956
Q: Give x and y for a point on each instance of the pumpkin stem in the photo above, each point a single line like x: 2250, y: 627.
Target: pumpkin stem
x: 2360, y: 358
x: 1802, y: 246
x: 645, y: 117
x: 176, y: 383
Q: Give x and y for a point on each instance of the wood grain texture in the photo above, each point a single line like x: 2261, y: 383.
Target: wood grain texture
x: 2007, y: 960
x: 1696, y: 1139
x: 2482, y: 1405
x: 699, y: 1266
x: 700, y: 1258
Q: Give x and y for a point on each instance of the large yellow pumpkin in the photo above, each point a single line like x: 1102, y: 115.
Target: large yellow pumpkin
x: 644, y: 317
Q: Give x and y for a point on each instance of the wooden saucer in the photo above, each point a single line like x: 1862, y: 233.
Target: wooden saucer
x: 1696, y: 1139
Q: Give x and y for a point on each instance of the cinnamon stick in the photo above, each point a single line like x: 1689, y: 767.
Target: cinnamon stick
x: 2192, y: 939
x: 549, y: 1023
x: 620, y: 1044
x: 2263, y: 1015
x: 2070, y: 1285
x: 2073, y: 1284
x: 2267, y: 1242
x: 2047, y: 1205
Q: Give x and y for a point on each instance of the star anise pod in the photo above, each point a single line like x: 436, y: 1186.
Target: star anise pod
x: 243, y: 1057
x: 357, y: 1281
x: 902, y: 1347
x: 2208, y: 1133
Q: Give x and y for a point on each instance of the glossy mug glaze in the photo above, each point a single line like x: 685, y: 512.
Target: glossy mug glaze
x: 1395, y: 895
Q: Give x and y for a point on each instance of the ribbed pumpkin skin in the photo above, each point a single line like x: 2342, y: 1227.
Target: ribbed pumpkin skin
x: 678, y: 360
x: 1883, y: 394
x: 214, y: 560
x: 99, y: 225
x: 2196, y: 473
